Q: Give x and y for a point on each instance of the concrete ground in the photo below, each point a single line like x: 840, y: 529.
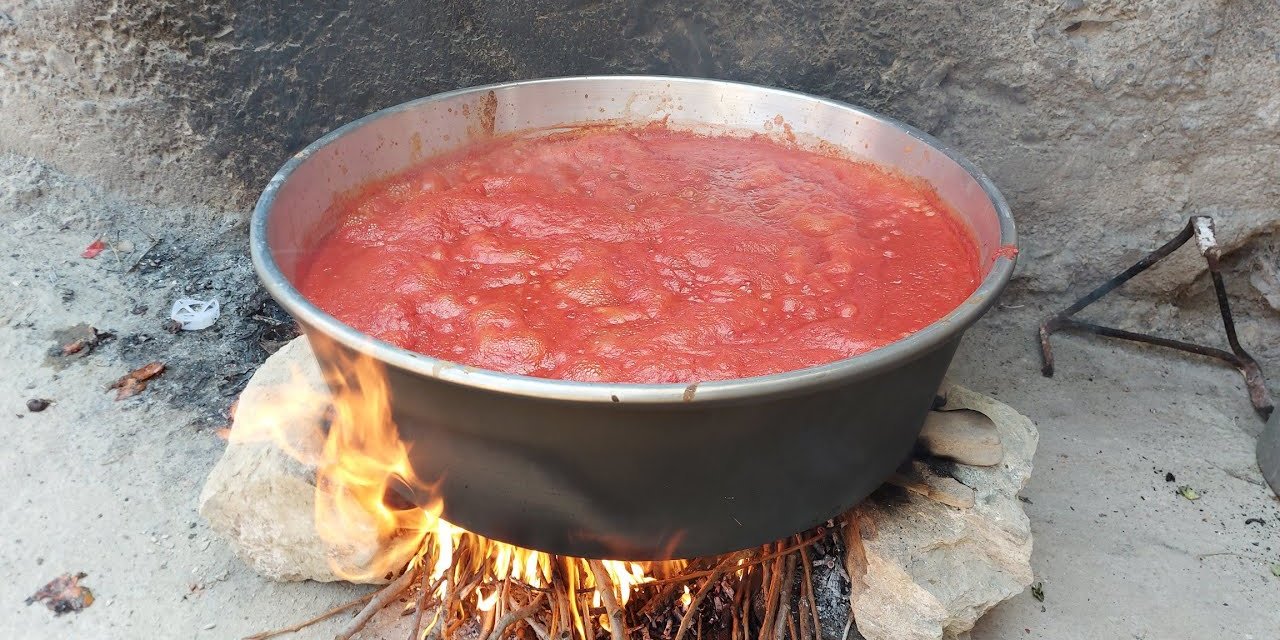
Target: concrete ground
x: 1119, y: 552
x: 109, y: 487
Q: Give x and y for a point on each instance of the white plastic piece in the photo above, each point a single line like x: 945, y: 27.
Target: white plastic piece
x: 195, y: 314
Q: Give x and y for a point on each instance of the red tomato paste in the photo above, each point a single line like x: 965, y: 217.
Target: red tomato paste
x: 642, y: 255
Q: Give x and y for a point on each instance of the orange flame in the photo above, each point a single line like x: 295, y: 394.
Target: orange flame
x: 359, y: 458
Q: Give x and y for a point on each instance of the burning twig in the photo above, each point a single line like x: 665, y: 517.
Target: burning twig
x: 560, y: 595
x: 421, y: 603
x: 446, y: 606
x: 772, y: 576
x: 736, y: 622
x: 266, y: 635
x: 380, y: 600
x: 604, y: 585
x: 538, y: 629
x: 516, y: 614
x: 783, y: 613
x: 693, y: 575
x: 454, y: 599
x: 489, y: 617
x: 724, y: 567
x: 667, y: 594
x: 807, y: 585
x: 588, y: 629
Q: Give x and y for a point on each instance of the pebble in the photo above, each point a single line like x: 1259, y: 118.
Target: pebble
x: 968, y: 437
x: 36, y: 405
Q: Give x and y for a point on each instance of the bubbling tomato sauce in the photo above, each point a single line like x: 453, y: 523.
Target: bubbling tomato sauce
x: 642, y: 255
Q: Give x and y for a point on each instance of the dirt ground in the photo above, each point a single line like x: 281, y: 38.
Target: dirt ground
x: 109, y: 487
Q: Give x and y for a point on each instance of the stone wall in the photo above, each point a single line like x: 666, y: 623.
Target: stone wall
x: 1106, y: 123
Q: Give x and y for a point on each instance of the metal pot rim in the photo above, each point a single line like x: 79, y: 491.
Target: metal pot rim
x: 919, y: 343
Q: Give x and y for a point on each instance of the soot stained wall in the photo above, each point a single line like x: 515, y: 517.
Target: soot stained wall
x: 1106, y: 123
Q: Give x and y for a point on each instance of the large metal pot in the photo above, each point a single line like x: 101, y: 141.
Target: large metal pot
x: 634, y: 471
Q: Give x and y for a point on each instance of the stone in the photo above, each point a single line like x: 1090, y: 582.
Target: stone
x: 1265, y: 279
x: 967, y: 437
x: 923, y: 570
x: 260, y: 496
x: 918, y: 478
x: 261, y: 501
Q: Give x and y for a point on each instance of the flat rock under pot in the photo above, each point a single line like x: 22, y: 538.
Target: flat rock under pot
x: 260, y: 498
x: 923, y: 570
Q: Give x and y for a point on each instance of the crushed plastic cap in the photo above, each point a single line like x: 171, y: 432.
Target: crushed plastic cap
x: 195, y: 314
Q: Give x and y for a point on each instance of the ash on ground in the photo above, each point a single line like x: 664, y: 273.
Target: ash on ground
x: 120, y: 298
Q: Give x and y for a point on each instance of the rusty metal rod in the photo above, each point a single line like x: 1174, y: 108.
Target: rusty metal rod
x: 1201, y: 228
x: 1112, y: 332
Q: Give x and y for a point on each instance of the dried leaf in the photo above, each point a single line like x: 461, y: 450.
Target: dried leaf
x: 1037, y: 591
x: 93, y: 249
x: 147, y: 371
x: 130, y: 388
x: 135, y: 381
x: 1187, y: 492
x: 64, y: 594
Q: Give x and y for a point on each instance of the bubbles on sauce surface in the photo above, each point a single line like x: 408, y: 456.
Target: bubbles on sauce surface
x: 642, y: 255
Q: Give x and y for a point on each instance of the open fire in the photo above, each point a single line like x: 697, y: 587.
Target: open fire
x: 947, y: 534
x: 460, y: 576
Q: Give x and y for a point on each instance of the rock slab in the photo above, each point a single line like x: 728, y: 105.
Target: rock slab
x: 962, y: 435
x: 260, y: 498
x: 918, y: 477
x: 923, y: 570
